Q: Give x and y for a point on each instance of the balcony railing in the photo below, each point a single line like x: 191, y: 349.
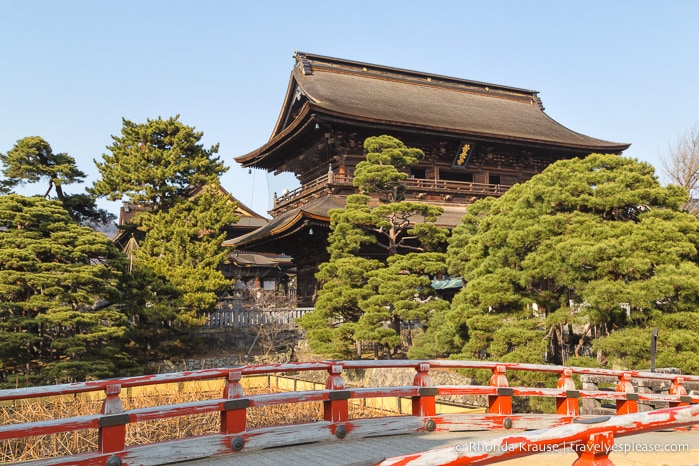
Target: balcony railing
x: 416, y: 188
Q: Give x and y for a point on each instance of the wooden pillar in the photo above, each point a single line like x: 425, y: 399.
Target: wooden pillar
x: 596, y: 451
x: 112, y: 426
x: 568, y: 405
x: 677, y: 388
x: 630, y: 404
x: 234, y: 414
x: 424, y: 404
x: 336, y: 408
x: 502, y: 402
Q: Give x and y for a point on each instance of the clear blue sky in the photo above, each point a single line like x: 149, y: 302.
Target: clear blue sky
x: 624, y: 71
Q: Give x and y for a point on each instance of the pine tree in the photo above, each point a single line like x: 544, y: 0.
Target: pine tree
x: 32, y: 160
x: 162, y: 167
x: 156, y: 164
x: 175, y: 274
x: 59, y: 294
x: 569, y: 248
x: 183, y: 245
x: 364, y: 299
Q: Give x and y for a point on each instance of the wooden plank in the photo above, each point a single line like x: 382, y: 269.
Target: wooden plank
x: 270, y: 399
x: 294, y: 434
x: 395, y: 425
x: 486, y: 421
x: 384, y: 392
x: 467, y: 390
x: 181, y: 409
x: 54, y: 426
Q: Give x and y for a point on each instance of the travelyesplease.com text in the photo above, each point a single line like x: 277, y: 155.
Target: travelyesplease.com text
x: 488, y: 447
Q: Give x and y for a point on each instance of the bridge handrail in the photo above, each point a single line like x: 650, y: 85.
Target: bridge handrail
x: 12, y: 431
x: 189, y: 376
x: 155, y: 379
x: 233, y: 406
x: 455, y: 364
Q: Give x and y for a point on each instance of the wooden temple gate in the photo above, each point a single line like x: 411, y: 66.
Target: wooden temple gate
x: 591, y: 436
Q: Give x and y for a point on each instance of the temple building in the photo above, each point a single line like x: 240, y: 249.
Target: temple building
x: 479, y: 139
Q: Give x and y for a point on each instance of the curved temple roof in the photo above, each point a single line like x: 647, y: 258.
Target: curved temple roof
x: 289, y: 222
x: 324, y: 88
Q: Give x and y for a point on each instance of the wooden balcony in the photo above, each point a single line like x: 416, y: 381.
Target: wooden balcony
x: 417, y: 189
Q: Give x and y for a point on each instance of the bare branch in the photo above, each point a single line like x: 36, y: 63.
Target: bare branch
x: 681, y: 163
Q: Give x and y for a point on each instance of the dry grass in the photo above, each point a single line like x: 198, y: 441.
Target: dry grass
x: 82, y: 441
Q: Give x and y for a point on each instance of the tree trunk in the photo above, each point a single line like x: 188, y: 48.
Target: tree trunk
x: 59, y: 191
x: 561, y: 343
x: 581, y: 341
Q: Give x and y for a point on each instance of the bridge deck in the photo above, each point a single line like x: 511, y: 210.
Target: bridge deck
x: 367, y: 451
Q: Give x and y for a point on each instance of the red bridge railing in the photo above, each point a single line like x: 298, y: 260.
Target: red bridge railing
x: 567, y: 425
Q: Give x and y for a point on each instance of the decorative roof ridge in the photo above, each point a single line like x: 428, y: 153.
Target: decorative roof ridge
x: 298, y: 124
x: 308, y: 63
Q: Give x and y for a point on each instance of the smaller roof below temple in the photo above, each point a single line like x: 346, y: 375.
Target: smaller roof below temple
x: 248, y: 217
x: 289, y: 222
x: 316, y: 212
x: 255, y: 259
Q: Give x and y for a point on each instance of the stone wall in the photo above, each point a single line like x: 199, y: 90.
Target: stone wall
x: 397, y: 377
x: 191, y: 364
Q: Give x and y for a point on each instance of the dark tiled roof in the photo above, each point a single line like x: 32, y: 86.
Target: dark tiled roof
x: 452, y: 215
x: 253, y: 259
x: 388, y: 96
x: 316, y: 210
x: 254, y: 222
